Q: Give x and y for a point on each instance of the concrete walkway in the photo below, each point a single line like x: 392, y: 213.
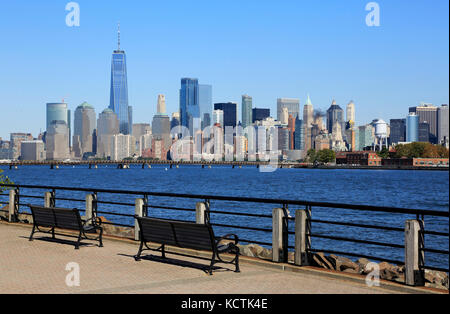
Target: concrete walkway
x: 40, y: 267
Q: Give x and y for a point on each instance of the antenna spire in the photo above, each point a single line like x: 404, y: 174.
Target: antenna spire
x: 119, y: 38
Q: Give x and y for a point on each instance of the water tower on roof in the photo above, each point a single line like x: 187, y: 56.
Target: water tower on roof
x: 381, y: 134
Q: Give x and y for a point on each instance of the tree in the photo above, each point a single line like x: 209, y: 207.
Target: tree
x: 420, y: 150
x: 4, y: 180
x: 326, y: 156
x: 311, y: 156
x: 384, y: 153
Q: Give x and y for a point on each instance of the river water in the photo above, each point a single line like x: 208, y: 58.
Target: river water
x: 394, y: 188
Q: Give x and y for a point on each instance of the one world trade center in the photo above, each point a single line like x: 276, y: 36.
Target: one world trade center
x: 119, y: 90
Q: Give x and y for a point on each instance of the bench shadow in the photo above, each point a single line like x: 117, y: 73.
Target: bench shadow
x: 59, y: 241
x: 179, y: 262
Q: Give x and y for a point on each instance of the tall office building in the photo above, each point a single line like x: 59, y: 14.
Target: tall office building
x: 292, y: 104
x: 205, y: 104
x: 428, y: 114
x: 284, y: 116
x: 218, y: 117
x: 229, y: 113
x: 84, y: 127
x: 335, y: 115
x: 259, y: 114
x: 175, y: 120
x: 412, y: 127
x: 364, y: 137
x: 308, y: 120
x: 443, y: 126
x: 398, y: 131
x: 33, y: 150
x: 119, y: 90
x: 299, y: 135
x: 351, y: 112
x: 57, y: 141
x: 247, y: 111
x: 107, y: 127
x: 15, y: 143
x: 161, y: 128
x: 122, y: 146
x: 161, y: 107
x: 424, y: 132
x: 189, y: 104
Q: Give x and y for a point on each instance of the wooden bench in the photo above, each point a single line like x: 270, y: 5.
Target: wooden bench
x: 62, y: 218
x: 185, y: 235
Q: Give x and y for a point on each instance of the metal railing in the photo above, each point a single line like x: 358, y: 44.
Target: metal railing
x: 258, y: 225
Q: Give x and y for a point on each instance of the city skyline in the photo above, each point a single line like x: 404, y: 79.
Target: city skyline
x: 95, y: 89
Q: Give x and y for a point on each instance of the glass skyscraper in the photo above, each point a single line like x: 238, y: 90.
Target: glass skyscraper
x: 412, y: 128
x: 189, y: 104
x: 119, y: 90
x: 247, y: 112
x: 205, y: 104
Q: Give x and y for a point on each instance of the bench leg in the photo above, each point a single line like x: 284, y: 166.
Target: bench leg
x: 32, y: 233
x: 138, y: 256
x: 237, y: 263
x: 53, y: 232
x: 163, y: 251
x: 213, y: 259
x: 100, y: 237
x: 77, y: 245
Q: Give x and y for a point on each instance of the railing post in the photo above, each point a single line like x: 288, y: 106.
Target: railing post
x: 278, y: 230
x: 12, y: 217
x: 414, y: 255
x: 302, y: 237
x: 90, y: 198
x: 138, y: 211
x: 200, y: 213
x: 49, y: 199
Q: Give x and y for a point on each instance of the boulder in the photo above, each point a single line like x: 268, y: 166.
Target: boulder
x: 362, y: 263
x: 320, y: 260
x: 388, y: 271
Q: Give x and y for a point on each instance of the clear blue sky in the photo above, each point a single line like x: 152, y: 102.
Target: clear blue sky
x: 267, y: 49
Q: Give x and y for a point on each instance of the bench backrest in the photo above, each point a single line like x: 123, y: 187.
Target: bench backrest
x: 56, y: 217
x: 181, y: 234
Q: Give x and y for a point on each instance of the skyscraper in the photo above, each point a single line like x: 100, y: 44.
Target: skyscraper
x: 84, y: 127
x: 119, y: 90
x: 351, y: 112
x: 299, y: 135
x: 161, y: 127
x: 205, y: 104
x: 292, y: 104
x: 308, y: 120
x: 189, y: 104
x: 161, y: 107
x: 229, y: 113
x: 428, y: 114
x: 335, y: 115
x: 57, y: 141
x: 260, y: 114
x: 107, y: 127
x: 58, y: 112
x: 443, y: 125
x: 247, y: 112
x: 398, y: 131
x: 412, y: 127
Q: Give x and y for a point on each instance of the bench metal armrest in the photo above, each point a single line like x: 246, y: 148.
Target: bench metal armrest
x: 95, y: 221
x: 227, y: 237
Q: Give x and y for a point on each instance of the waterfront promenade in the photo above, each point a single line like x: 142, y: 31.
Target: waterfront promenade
x: 40, y: 267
